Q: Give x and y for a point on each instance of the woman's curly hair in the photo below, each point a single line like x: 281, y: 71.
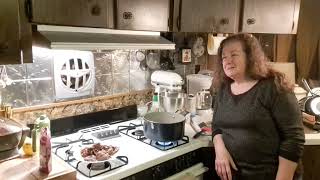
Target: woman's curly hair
x: 257, y: 66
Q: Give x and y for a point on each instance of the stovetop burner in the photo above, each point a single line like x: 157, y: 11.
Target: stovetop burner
x: 136, y: 131
x: 164, y: 143
x: 66, y: 150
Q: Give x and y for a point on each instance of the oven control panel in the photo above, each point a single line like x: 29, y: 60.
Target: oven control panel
x: 106, y: 134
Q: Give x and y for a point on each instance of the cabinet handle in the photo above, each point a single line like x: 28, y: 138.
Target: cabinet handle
x: 292, y: 26
x: 28, y: 9
x: 224, y: 21
x: 95, y: 10
x: 179, y: 16
x: 127, y: 15
x: 251, y: 21
x: 178, y: 24
x: 4, y: 46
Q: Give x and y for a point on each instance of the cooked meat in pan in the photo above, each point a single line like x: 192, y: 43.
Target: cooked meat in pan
x: 98, y: 152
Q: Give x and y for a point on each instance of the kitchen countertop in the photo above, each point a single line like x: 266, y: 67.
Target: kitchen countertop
x: 312, y: 136
x: 27, y: 168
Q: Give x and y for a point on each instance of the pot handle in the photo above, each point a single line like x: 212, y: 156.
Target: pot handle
x: 25, y: 132
x: 151, y: 125
x: 306, y: 85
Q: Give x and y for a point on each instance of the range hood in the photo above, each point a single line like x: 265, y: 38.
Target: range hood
x: 79, y: 38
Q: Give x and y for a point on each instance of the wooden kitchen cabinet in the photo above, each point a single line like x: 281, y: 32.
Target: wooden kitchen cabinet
x: 206, y: 16
x: 15, y: 33
x: 86, y: 13
x: 311, y: 162
x: 150, y: 15
x: 272, y: 16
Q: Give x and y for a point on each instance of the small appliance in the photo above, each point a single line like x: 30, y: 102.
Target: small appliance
x: 168, y: 85
x: 166, y: 81
x: 198, y: 82
x: 199, y: 85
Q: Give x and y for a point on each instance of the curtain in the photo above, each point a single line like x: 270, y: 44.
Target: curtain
x: 308, y: 40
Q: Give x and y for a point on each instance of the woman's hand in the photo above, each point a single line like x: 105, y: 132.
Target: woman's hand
x: 223, y: 159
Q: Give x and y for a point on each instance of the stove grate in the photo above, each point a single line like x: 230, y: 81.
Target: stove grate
x: 64, y: 151
x: 132, y: 128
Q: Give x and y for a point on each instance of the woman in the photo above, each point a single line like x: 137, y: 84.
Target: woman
x: 257, y: 127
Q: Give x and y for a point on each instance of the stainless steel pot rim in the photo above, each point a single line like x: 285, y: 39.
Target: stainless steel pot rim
x: 11, y: 129
x: 164, y: 118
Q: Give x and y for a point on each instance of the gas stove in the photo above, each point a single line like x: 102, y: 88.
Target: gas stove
x: 135, y: 150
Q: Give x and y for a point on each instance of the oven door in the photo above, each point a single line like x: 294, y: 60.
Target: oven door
x: 194, y: 172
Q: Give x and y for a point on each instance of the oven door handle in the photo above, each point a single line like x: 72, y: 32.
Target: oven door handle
x: 192, y: 172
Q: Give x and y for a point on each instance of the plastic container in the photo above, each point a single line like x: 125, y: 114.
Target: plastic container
x: 155, y: 103
x: 41, y: 123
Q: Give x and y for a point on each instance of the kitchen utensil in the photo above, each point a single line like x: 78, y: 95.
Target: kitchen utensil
x: 203, y: 99
x: 4, y: 79
x: 311, y: 103
x: 12, y: 136
x: 198, y: 134
x: 198, y: 48
x: 153, y: 60
x: 306, y: 85
x: 190, y: 104
x: 171, y: 101
x: 143, y: 65
x: 140, y: 56
x: 315, y: 91
x: 164, y: 126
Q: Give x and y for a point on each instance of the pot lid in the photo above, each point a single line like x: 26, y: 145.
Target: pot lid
x: 164, y: 117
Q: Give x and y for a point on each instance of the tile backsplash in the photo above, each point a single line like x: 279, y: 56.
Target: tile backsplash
x: 116, y: 71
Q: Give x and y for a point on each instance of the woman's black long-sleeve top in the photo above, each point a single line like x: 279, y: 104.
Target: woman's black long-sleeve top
x: 259, y: 125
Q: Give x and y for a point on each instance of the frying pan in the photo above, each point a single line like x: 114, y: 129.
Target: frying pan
x: 311, y: 103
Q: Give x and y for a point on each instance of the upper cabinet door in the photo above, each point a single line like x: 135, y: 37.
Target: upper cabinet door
x: 271, y: 16
x: 150, y: 15
x: 87, y: 13
x: 15, y: 33
x: 206, y: 16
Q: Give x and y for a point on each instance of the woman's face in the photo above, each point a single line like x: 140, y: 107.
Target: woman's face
x: 234, y: 60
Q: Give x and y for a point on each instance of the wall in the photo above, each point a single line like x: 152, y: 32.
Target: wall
x: 119, y: 81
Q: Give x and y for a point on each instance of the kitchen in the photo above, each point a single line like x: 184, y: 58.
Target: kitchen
x: 118, y: 78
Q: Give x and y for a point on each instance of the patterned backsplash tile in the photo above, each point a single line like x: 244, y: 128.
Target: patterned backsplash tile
x: 103, y: 85
x: 103, y: 63
x: 116, y: 71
